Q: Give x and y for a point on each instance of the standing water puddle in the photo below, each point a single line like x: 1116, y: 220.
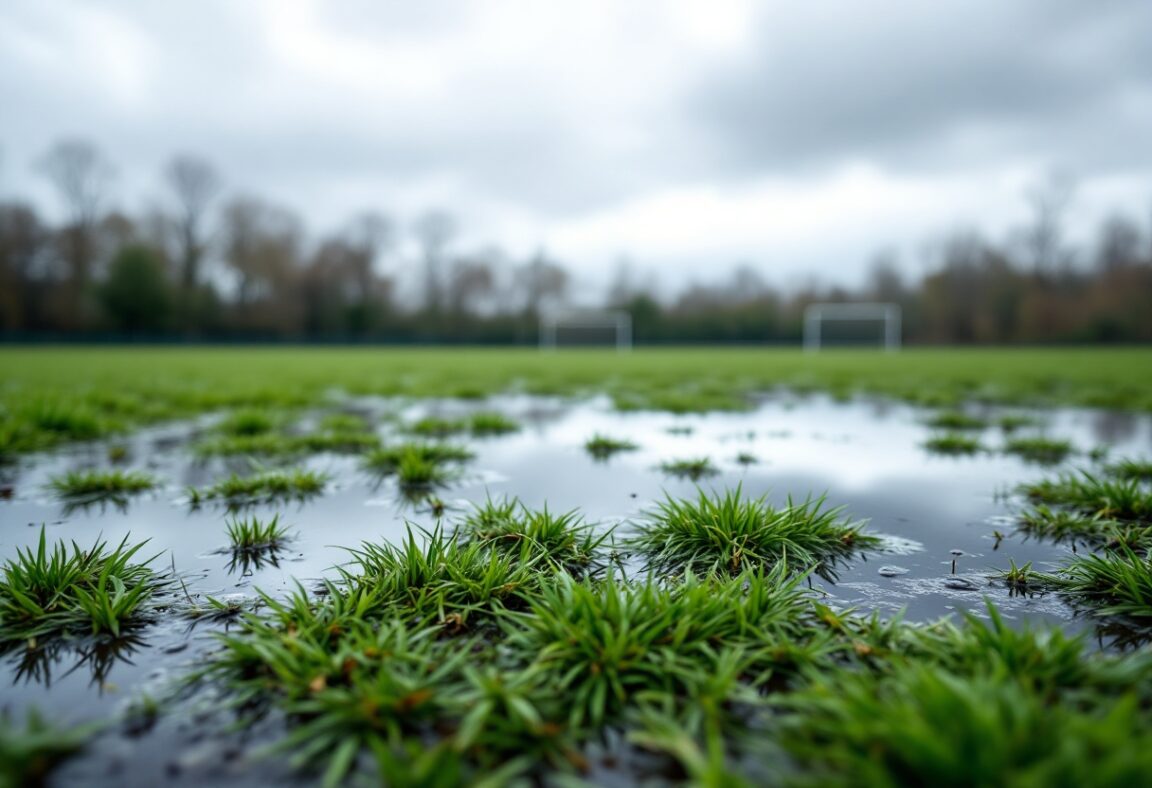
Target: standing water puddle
x: 950, y: 523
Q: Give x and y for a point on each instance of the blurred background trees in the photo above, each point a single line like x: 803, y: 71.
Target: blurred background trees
x: 204, y: 264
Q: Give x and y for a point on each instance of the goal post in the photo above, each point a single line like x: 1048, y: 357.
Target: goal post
x: 816, y: 314
x: 554, y: 327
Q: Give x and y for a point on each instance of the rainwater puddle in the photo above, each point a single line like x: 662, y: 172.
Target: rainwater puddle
x: 940, y: 516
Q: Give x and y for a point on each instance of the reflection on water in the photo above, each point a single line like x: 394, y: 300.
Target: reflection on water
x: 43, y: 662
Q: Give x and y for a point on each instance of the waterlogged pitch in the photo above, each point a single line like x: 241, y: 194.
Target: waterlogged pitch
x: 242, y: 567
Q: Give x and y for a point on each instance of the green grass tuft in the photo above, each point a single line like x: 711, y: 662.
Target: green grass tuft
x: 254, y: 536
x: 563, y: 541
x: 1040, y: 450
x: 436, y: 427
x: 953, y: 444
x: 1129, y: 469
x: 601, y: 447
x: 1116, y: 583
x: 49, y: 592
x: 386, y: 460
x: 955, y: 420
x: 1121, y: 499
x: 101, y: 485
x: 243, y: 423
x: 268, y: 486
x: 693, y: 469
x: 729, y: 533
x: 924, y: 725
x: 484, y: 423
x: 29, y: 752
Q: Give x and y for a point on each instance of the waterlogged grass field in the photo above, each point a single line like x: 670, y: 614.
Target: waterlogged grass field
x: 440, y: 567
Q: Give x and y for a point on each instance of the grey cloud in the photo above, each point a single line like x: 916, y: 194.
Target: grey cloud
x: 911, y: 89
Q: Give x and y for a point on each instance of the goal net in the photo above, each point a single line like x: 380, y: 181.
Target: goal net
x: 586, y: 329
x: 857, y: 324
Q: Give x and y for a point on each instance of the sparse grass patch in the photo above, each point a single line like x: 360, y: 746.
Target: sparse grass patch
x: 488, y: 422
x: 267, y: 486
x: 1064, y: 524
x: 693, y: 469
x: 386, y: 460
x: 728, y: 533
x: 417, y: 470
x: 247, y: 423
x: 563, y: 541
x: 1121, y: 499
x: 101, y: 485
x: 601, y: 447
x: 953, y: 444
x: 30, y: 751
x: 927, y: 726
x: 1040, y: 450
x: 47, y: 592
x: 1129, y: 469
x: 1011, y: 422
x: 1117, y: 583
x: 437, y: 427
x: 254, y: 536
x: 956, y: 420
x: 1019, y: 578
x: 607, y: 644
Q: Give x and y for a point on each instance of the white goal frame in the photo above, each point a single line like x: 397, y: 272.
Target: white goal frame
x: 816, y: 314
x: 621, y: 321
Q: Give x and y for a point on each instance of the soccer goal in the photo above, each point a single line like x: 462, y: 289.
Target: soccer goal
x: 859, y: 315
x: 586, y: 329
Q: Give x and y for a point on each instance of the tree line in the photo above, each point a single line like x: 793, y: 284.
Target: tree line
x: 202, y: 265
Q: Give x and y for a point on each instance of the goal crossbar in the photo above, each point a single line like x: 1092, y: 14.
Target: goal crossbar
x: 620, y: 322
x: 816, y: 314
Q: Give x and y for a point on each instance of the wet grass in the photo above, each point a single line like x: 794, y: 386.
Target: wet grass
x: 1012, y: 422
x: 247, y: 423
x: 486, y: 423
x: 1115, y: 583
x: 1094, y: 495
x: 728, y: 533
x: 693, y: 469
x: 101, y: 485
x: 31, y: 750
x: 57, y: 590
x: 437, y: 427
x: 1039, y: 450
x: 55, y: 395
x: 563, y: 541
x: 252, y: 535
x: 386, y: 460
x: 925, y: 725
x: 954, y: 444
x: 439, y: 657
x: 281, y: 445
x: 955, y: 421
x: 601, y: 447
x: 1128, y: 469
x: 268, y: 486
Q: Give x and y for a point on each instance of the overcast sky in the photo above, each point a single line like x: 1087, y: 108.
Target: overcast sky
x: 797, y: 136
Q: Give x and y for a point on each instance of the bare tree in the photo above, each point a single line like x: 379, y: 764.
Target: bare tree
x: 542, y: 281
x: 434, y: 231
x: 1043, y: 239
x: 471, y: 279
x: 194, y: 184
x: 262, y: 246
x: 81, y: 175
x: 369, y: 237
x: 22, y: 241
